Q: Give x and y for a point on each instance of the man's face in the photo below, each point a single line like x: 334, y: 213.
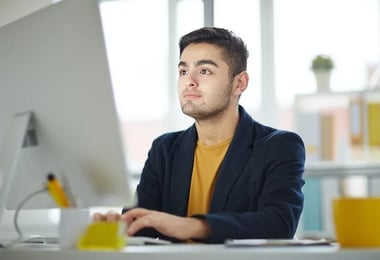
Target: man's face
x: 204, y: 84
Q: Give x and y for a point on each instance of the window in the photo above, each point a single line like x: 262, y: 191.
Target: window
x: 347, y: 30
x: 243, y: 18
x: 137, y: 40
x: 143, y: 54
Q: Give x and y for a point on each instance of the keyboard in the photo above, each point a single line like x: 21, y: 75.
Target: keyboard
x: 141, y: 240
x: 53, y: 240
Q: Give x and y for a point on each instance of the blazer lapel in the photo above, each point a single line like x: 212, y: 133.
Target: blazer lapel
x: 182, y: 169
x: 236, y: 157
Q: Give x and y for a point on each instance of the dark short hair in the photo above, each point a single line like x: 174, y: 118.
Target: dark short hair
x: 233, y: 48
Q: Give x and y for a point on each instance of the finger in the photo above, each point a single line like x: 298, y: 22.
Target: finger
x: 97, y: 217
x: 135, y: 213
x: 140, y: 223
x: 112, y: 217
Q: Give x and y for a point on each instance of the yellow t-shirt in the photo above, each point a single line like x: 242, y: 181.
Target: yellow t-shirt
x: 207, y: 160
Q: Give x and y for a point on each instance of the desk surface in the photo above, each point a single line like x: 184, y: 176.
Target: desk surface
x: 189, y: 252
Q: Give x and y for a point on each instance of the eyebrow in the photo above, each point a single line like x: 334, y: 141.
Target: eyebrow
x: 198, y: 63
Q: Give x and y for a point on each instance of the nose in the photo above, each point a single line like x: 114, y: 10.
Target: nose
x: 191, y: 81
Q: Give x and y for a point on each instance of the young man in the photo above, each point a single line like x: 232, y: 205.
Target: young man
x: 227, y: 176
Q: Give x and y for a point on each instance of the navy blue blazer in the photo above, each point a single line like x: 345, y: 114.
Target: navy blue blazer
x: 258, y: 190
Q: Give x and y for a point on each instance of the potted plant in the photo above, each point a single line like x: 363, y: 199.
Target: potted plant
x: 322, y: 65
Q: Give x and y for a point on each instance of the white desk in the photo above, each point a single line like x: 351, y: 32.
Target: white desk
x: 191, y: 252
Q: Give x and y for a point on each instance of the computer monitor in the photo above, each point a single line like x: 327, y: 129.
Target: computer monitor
x: 55, y: 85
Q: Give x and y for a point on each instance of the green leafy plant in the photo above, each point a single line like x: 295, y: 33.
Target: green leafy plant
x: 322, y: 62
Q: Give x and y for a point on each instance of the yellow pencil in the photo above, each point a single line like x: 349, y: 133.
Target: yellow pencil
x: 56, y: 191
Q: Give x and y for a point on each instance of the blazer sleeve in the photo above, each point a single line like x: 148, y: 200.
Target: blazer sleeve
x: 153, y: 186
x: 148, y: 190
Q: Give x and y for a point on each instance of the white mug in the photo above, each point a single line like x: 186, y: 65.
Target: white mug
x: 73, y: 223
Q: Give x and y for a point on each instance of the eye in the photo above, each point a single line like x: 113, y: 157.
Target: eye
x: 182, y: 72
x: 204, y: 72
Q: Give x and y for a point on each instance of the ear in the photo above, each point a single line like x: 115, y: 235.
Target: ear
x: 240, y: 83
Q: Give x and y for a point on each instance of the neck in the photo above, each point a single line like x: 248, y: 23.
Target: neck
x: 215, y: 130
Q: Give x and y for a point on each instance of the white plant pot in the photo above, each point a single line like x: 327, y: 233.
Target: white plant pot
x: 322, y: 78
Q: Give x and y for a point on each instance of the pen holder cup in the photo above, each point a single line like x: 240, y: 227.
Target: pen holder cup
x: 72, y: 224
x: 357, y: 222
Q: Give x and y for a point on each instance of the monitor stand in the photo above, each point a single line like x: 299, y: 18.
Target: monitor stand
x: 10, y: 148
x: 20, y: 133
x: 14, y: 139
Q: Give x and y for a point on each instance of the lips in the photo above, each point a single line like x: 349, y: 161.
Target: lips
x: 191, y: 95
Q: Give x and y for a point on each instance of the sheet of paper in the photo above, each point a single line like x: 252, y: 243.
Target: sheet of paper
x: 276, y: 242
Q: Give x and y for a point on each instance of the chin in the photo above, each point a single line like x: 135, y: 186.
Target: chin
x: 190, y: 111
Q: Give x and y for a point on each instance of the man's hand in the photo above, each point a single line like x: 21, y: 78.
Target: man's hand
x: 182, y: 228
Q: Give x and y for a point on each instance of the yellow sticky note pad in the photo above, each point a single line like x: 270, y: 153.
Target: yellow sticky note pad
x: 103, y: 236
